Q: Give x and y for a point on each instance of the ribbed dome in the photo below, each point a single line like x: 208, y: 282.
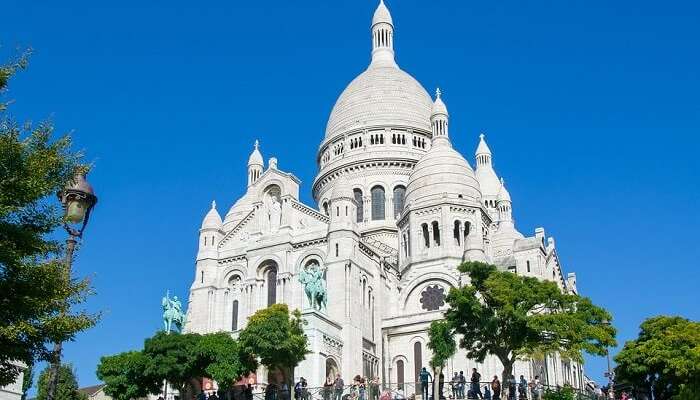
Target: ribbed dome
x: 212, y: 220
x: 442, y: 172
x: 381, y: 96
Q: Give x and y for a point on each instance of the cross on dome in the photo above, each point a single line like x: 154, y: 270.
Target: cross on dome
x: 213, y: 204
x: 437, y: 93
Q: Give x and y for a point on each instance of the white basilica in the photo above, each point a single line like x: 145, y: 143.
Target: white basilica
x: 397, y: 210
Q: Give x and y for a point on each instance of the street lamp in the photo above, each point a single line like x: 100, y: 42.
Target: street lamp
x: 609, y: 374
x: 77, y: 200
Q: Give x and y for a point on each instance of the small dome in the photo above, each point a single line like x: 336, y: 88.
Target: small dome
x: 382, y: 14
x: 255, y: 157
x: 212, y: 220
x: 503, y: 194
x: 442, y: 172
x: 503, y: 240
x: 439, y: 106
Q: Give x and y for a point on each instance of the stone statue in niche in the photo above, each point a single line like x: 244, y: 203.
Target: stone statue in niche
x: 273, y: 209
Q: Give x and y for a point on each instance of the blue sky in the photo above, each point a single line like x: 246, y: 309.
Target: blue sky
x: 591, y: 108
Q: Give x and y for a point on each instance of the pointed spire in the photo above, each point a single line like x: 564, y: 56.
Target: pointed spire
x: 382, y: 37
x: 213, y: 204
x: 483, y: 148
x: 439, y: 118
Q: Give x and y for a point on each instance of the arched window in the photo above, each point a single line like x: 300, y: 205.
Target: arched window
x: 325, y: 208
x: 417, y: 360
x: 467, y: 228
x: 272, y: 285
x: 436, y: 233
x: 456, y: 233
x: 399, y: 195
x: 377, y: 203
x: 528, y: 265
x: 360, y: 206
x: 234, y: 316
x: 400, y: 374
x: 426, y: 236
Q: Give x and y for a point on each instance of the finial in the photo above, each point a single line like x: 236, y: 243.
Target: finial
x: 502, y: 182
x: 213, y: 204
x: 437, y: 93
x: 481, y: 136
x: 257, y: 143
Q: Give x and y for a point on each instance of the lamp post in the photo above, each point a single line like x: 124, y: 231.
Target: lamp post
x: 77, y: 200
x: 609, y: 373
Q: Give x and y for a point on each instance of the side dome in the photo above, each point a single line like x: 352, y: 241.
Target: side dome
x: 442, y: 173
x: 381, y: 96
x: 342, y: 191
x: 212, y: 220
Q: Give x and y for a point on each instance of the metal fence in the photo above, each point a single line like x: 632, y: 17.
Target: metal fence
x: 403, y: 391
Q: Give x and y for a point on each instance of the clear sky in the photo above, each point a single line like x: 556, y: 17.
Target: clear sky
x: 591, y: 108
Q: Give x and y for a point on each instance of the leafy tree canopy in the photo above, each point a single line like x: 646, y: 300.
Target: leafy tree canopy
x: 512, y: 316
x: 276, y: 337
x: 175, y: 358
x: 36, y: 293
x: 664, y: 359
x: 66, y: 388
x: 227, y: 361
x: 125, y: 376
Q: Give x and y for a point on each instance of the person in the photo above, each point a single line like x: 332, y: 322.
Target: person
x: 536, y: 388
x: 297, y: 389
x: 338, y: 386
x: 475, y: 384
x: 327, y: 388
x: 487, y: 392
x: 496, y: 387
x: 522, y: 388
x: 362, y: 389
x: 462, y: 384
x: 374, y: 389
x: 270, y: 392
x: 201, y: 396
x: 511, y: 387
x: 284, y: 391
x: 425, y: 378
x: 249, y: 390
x: 213, y: 396
x: 454, y: 384
x: 304, y: 389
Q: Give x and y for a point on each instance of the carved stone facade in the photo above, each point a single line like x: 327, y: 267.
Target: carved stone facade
x: 398, y: 209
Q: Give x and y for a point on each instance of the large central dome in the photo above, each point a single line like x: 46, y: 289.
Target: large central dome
x: 382, y: 95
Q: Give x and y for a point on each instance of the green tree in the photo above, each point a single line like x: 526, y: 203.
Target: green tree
x: 126, y: 377
x: 276, y: 338
x: 225, y: 359
x: 512, y: 317
x: 27, y: 380
x: 664, y: 359
x: 67, y: 387
x: 442, y: 345
x: 175, y: 358
x: 36, y: 292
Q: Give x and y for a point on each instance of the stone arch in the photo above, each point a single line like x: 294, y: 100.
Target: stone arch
x: 332, y: 367
x: 310, y: 254
x: 228, y: 273
x: 269, y: 184
x: 264, y: 264
x: 441, y: 278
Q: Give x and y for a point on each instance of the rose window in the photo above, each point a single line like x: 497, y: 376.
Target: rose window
x: 433, y: 297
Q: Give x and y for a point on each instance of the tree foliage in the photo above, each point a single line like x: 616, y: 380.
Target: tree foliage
x: 276, y: 337
x: 125, y: 376
x: 227, y: 361
x: 442, y: 345
x: 36, y: 292
x: 512, y: 317
x: 66, y: 388
x: 174, y: 358
x: 664, y: 359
